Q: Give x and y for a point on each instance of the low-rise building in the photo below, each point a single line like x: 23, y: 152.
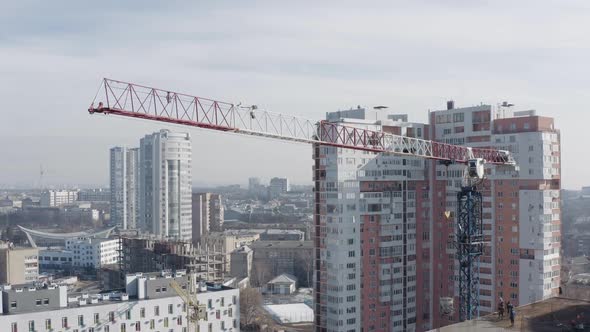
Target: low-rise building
x: 272, y: 258
x: 282, y: 235
x: 285, y: 284
x: 148, y: 303
x: 93, y: 252
x: 18, y: 265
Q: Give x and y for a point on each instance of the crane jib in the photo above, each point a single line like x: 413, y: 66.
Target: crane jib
x: 142, y: 102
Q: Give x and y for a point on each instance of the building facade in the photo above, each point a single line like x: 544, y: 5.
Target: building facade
x: 149, y: 303
x: 56, y: 198
x: 124, y: 176
x: 278, y: 186
x: 95, y: 195
x: 165, y: 185
x: 381, y: 222
x: 18, y: 265
x: 273, y: 258
x: 207, y: 209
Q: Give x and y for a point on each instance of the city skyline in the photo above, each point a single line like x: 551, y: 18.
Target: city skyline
x: 408, y: 67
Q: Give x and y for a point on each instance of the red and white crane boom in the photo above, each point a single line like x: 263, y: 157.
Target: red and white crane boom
x: 138, y: 101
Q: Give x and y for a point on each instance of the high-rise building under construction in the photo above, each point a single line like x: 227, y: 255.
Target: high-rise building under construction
x: 385, y: 225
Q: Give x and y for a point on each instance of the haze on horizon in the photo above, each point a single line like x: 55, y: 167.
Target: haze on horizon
x: 303, y: 58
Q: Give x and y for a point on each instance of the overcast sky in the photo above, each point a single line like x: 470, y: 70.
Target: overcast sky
x: 295, y: 57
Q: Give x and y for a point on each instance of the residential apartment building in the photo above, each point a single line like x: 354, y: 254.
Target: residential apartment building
x: 124, y: 174
x: 18, y: 265
x: 149, y: 303
x: 207, y: 217
x: 381, y: 227
x: 278, y: 186
x: 165, y: 185
x: 56, y: 198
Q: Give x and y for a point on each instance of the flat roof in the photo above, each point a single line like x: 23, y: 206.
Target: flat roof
x: 554, y: 314
x: 281, y: 244
x: 290, y: 313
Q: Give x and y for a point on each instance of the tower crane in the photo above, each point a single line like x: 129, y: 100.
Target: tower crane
x: 194, y: 310
x: 142, y: 102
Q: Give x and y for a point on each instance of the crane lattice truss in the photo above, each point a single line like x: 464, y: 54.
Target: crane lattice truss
x: 138, y: 101
x: 469, y: 245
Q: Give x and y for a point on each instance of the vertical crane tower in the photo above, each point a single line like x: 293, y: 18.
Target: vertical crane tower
x: 142, y: 102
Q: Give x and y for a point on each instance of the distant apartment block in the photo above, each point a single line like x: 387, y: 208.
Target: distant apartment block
x: 56, y: 198
x: 384, y: 244
x: 124, y: 174
x: 278, y: 186
x: 165, y: 185
x: 18, y: 265
x: 94, y: 195
x: 207, y: 214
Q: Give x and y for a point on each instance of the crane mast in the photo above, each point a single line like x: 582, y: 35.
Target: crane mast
x: 142, y: 102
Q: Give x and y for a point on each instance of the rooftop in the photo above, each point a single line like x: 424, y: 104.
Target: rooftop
x: 554, y: 314
x: 281, y: 244
x: 290, y: 313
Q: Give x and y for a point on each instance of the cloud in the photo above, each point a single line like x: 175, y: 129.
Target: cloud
x: 299, y: 58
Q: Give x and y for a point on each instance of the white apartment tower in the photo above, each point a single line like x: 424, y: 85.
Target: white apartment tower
x: 165, y: 185
x: 124, y: 173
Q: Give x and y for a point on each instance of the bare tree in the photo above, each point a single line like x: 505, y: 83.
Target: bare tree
x: 250, y: 301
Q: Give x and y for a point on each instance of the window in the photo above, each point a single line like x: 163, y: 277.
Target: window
x: 230, y: 312
x: 209, y: 303
x: 112, y: 316
x: 96, y: 318
x: 170, y: 309
x: 218, y: 314
x: 38, y: 302
x: 106, y: 328
x: 210, y: 327
x: 13, y: 327
x: 31, y: 326
x: 13, y: 304
x: 91, y: 329
x: 222, y: 301
x: 45, y: 301
x: 165, y: 321
x: 142, y: 312
x: 123, y: 327
x: 152, y: 324
x: 138, y: 326
x: 48, y: 324
x: 235, y: 299
x: 80, y: 320
x: 128, y: 314
x: 157, y: 310
x: 64, y: 322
